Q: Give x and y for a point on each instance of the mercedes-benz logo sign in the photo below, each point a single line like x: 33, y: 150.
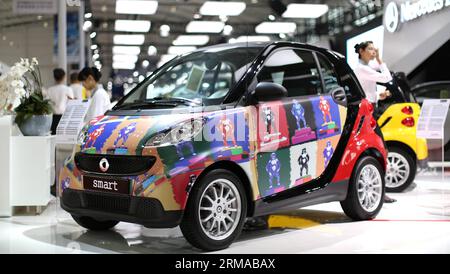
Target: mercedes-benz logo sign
x: 391, y: 17
x: 104, y: 165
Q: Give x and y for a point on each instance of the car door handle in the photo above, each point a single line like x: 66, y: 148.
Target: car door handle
x: 339, y: 96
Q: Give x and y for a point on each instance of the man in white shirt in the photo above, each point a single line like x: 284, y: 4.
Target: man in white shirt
x: 100, y: 100
x: 76, y: 86
x: 58, y: 94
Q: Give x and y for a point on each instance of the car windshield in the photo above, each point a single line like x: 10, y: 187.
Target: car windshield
x: 199, y: 78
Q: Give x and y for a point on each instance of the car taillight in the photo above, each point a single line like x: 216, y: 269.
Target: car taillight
x: 373, y: 122
x: 408, y: 110
x: 409, y: 122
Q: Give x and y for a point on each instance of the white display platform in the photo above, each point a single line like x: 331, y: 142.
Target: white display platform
x: 32, y: 170
x: 5, y: 137
x: 27, y: 169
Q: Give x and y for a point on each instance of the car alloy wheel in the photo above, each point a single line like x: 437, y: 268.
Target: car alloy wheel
x: 220, y: 209
x: 370, y: 188
x: 397, y: 171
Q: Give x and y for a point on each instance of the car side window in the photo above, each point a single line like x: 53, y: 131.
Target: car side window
x: 296, y: 70
x: 329, y: 75
x: 436, y: 92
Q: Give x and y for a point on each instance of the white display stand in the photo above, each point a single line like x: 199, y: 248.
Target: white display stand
x: 5, y: 185
x: 431, y: 123
x: 32, y: 170
x: 27, y: 165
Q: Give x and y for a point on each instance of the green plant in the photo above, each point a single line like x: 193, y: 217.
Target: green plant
x: 35, y: 104
x: 29, y: 85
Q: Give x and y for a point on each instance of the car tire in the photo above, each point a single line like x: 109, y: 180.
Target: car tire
x: 92, y: 224
x: 206, y: 212
x: 367, y: 182
x: 401, y: 170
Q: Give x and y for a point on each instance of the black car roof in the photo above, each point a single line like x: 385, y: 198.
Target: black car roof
x: 429, y: 84
x: 263, y: 45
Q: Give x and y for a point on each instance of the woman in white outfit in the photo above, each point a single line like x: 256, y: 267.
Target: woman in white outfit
x: 369, y: 73
x: 100, y: 100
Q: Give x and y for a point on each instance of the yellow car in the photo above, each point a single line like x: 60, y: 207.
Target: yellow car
x: 397, y: 118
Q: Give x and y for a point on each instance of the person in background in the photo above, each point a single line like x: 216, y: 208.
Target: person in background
x: 76, y: 86
x: 100, y: 100
x: 58, y: 94
x: 368, y: 74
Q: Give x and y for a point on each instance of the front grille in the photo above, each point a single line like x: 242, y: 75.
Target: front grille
x: 118, y: 164
x: 140, y: 207
x: 116, y: 204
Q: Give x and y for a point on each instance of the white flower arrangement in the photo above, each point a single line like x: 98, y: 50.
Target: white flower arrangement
x: 15, y: 84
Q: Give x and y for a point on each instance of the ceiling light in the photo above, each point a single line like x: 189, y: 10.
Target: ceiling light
x: 164, y: 30
x: 191, y: 40
x: 227, y: 30
x: 145, y: 63
x: 256, y: 38
x: 121, y: 65
x: 271, y: 17
x: 216, y: 8
x: 178, y: 50
x: 126, y: 50
x: 223, y: 18
x: 136, y: 74
x: 129, y: 39
x: 276, y: 27
x: 136, y: 7
x: 87, y: 25
x: 88, y: 15
x: 152, y: 50
x: 132, y: 25
x: 305, y: 11
x: 205, y: 26
x: 94, y: 47
x: 92, y: 35
x: 95, y: 56
x: 121, y: 58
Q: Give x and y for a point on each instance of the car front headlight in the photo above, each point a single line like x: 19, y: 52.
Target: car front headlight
x: 182, y: 132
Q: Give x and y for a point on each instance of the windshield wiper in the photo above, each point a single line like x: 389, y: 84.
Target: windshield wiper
x: 145, y: 104
x: 177, y: 100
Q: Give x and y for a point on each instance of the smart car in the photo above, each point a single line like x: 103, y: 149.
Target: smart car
x: 225, y: 133
x: 398, y: 117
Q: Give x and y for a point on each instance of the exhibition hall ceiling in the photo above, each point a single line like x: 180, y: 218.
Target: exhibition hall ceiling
x: 159, y: 24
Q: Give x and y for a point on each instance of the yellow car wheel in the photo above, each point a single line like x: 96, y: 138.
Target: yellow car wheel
x: 401, y: 170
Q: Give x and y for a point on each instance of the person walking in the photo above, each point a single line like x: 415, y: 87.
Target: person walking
x: 100, y: 100
x: 368, y: 74
x: 59, y: 94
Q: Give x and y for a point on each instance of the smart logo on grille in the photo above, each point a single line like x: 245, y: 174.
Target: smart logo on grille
x: 104, y: 165
x: 106, y: 184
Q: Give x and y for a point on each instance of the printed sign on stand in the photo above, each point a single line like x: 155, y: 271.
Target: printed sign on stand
x: 71, y: 122
x: 432, y: 119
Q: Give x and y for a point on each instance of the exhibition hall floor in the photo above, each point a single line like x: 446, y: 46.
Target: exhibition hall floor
x: 419, y: 222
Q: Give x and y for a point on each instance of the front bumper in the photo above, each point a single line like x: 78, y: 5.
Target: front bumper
x: 148, y: 212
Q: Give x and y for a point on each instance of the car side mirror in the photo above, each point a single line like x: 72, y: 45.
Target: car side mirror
x: 268, y: 91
